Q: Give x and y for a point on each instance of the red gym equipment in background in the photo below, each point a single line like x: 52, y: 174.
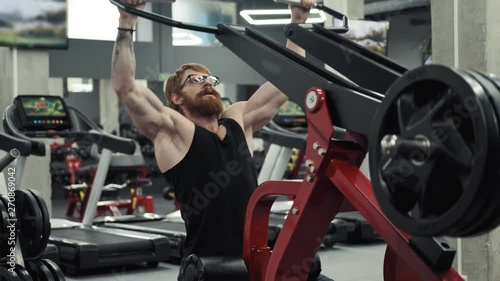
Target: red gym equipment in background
x: 78, y: 190
x: 138, y: 203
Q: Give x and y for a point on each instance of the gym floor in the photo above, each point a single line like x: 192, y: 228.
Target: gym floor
x: 344, y: 262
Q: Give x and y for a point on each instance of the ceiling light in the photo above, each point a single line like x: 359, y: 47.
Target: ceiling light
x: 316, y: 16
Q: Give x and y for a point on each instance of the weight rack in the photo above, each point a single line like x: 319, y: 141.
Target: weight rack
x: 24, y: 216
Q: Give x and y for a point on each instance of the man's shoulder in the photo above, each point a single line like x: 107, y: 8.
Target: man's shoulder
x: 235, y: 110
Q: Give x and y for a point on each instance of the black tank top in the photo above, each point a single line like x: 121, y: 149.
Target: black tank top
x: 213, y: 184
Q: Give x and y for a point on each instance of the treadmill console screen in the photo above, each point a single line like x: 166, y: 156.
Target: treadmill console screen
x: 291, y: 115
x: 42, y: 113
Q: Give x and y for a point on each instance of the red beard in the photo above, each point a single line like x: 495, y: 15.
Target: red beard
x: 200, y: 106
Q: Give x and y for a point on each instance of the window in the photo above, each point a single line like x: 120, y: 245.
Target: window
x: 98, y: 20
x: 79, y: 85
x: 201, y: 12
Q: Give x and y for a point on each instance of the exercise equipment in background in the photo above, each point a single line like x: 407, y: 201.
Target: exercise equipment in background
x: 82, y: 246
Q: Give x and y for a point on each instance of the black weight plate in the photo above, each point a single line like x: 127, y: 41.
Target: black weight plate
x: 495, y: 219
x: 39, y: 271
x: 30, y: 223
x: 6, y: 274
x: 46, y: 221
x: 54, y: 269
x: 428, y: 199
x: 23, y: 273
x: 488, y: 203
x: 476, y: 212
x: 4, y: 231
x: 12, y: 219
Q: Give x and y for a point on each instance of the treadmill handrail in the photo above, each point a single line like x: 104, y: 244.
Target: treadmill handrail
x: 6, y: 160
x: 102, y: 138
x: 273, y: 126
x: 283, y: 139
x: 338, y: 133
x: 8, y: 142
x: 37, y: 147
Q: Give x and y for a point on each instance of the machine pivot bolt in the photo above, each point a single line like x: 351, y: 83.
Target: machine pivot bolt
x: 388, y: 144
x: 309, y: 163
x: 321, y: 151
x: 295, y: 211
x: 312, y: 168
x: 311, y: 100
x: 309, y: 178
x: 316, y: 146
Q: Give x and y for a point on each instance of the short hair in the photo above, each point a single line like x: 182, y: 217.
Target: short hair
x: 173, y: 82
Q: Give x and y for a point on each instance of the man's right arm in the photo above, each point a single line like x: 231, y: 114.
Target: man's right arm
x: 147, y: 111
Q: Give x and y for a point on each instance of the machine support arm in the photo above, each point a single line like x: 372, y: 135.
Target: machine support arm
x: 364, y: 67
x: 294, y: 75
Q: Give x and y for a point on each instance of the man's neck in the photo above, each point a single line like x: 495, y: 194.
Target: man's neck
x: 209, y: 123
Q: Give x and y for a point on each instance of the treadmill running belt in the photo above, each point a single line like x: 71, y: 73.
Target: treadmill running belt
x: 107, y: 243
x: 163, y: 225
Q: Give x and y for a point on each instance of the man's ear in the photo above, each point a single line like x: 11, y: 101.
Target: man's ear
x: 177, y: 99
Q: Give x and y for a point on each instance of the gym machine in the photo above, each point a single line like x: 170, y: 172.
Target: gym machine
x: 24, y: 221
x: 82, y: 246
x: 429, y: 118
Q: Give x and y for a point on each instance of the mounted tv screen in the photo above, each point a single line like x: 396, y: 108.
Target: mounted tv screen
x: 34, y: 24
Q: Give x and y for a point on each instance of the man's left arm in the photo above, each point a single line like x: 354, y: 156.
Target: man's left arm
x: 265, y: 103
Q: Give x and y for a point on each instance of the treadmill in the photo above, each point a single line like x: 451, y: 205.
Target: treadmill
x: 83, y: 246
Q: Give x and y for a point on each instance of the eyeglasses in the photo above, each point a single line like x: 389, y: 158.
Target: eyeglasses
x: 198, y: 79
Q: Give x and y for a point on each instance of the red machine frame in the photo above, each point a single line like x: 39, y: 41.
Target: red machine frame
x: 333, y: 176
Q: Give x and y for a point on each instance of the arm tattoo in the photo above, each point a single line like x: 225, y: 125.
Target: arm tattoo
x: 122, y: 37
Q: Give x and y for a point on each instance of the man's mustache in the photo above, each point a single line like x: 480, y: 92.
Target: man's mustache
x: 208, y: 91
